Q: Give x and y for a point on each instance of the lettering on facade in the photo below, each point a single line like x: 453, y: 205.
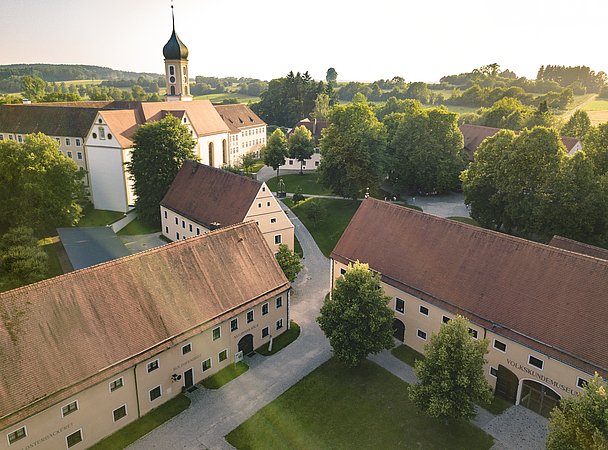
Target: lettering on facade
x: 545, y: 379
x: 194, y: 358
x: 48, y: 436
x: 246, y: 331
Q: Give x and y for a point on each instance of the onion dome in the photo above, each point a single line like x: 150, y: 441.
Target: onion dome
x: 175, y: 48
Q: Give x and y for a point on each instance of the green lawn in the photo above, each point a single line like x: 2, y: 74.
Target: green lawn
x: 464, y: 220
x: 225, y: 375
x: 335, y: 216
x: 219, y: 97
x: 98, y: 217
x: 297, y: 248
x: 308, y: 182
x: 136, y: 227
x: 282, y: 340
x: 339, y: 408
x: 144, y: 425
x: 407, y: 354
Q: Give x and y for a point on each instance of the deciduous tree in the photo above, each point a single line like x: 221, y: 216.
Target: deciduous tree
x: 577, y: 126
x: 39, y: 187
x: 356, y: 318
x: 276, y: 150
x: 451, y: 376
x: 331, y: 76
x: 301, y: 145
x: 596, y: 147
x: 353, y: 148
x: 32, y: 87
x: 289, y: 261
x: 159, y: 150
x: 22, y: 261
x: 322, y: 107
x: 581, y: 422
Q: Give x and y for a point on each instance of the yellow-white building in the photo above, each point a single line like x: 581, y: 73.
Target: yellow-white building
x: 542, y: 308
x: 203, y: 198
x: 86, y: 353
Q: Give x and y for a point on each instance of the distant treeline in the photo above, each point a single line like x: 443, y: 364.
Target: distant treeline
x: 578, y: 75
x: 66, y: 72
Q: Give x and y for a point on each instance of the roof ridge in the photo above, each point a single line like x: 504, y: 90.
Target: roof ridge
x: 118, y: 261
x: 486, y: 231
x: 226, y: 172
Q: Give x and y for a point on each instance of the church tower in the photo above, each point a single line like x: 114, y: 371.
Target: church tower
x: 176, y: 68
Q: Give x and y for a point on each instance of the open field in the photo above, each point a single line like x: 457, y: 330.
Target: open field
x: 309, y: 182
x: 79, y: 82
x: 597, y: 110
x: 218, y: 98
x: 364, y: 408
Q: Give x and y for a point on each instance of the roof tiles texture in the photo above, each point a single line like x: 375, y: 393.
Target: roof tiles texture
x: 547, y: 298
x: 238, y: 116
x: 579, y: 247
x: 205, y: 194
x: 50, y: 120
x: 67, y: 333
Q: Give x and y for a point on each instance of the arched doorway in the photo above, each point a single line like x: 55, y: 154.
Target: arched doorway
x: 399, y: 330
x: 211, y: 162
x: 246, y: 344
x: 539, y: 398
x: 224, y: 152
x: 506, y: 384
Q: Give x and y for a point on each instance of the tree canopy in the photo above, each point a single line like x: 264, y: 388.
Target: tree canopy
x: 39, y: 187
x: 22, y: 261
x: 577, y: 126
x: 353, y: 148
x: 425, y: 150
x: 451, y: 376
x: 596, y: 147
x: 355, y: 317
x: 301, y: 144
x: 276, y: 150
x: 331, y: 75
x: 581, y: 422
x: 289, y: 261
x: 159, y: 150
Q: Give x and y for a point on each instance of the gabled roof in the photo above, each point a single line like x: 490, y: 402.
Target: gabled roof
x: 206, y: 195
x: 123, y: 123
x: 62, y: 335
x: 238, y: 116
x: 50, y: 120
x: 578, y: 247
x: 89, y: 246
x: 474, y: 135
x: 549, y: 299
x: 315, y: 127
x: 204, y: 118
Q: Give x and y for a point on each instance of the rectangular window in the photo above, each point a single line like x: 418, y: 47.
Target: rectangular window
x: 279, y: 302
x: 424, y: 310
x: 177, y: 235
x: 20, y: 138
x: 291, y: 162
x: 473, y: 333
x: 152, y: 366
x: 119, y: 413
x: 217, y: 333
x: 421, y: 334
x: 69, y: 154
x: 77, y: 142
x: 259, y: 205
x: 234, y: 324
x: 166, y: 214
x: 206, y: 365
x: 277, y: 239
x: 399, y: 305
x: 10, y: 136
x: 186, y: 348
x: 155, y: 393
x: 273, y: 220
x: 166, y: 230
x: 498, y: 345
x: 445, y: 319
x: 190, y: 227
x: 198, y: 231
x: 183, y: 224
x: 1, y: 137
x: 69, y: 408
x: 581, y: 382
x: 74, y: 438
x: 494, y: 371
x: 538, y: 363
x: 116, y: 384
x: 67, y: 141
x: 265, y: 332
x: 250, y: 316
x: 279, y: 324
x: 176, y: 221
x: 267, y: 203
x: 102, y: 133
x: 16, y: 435
x: 265, y: 309
x: 223, y: 355
x: 79, y: 155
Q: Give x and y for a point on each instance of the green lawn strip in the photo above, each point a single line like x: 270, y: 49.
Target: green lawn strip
x: 308, y: 182
x: 407, y: 354
x: 136, y: 227
x: 335, y: 216
x: 99, y: 217
x: 281, y: 341
x: 144, y: 425
x: 225, y: 375
x: 339, y: 408
x: 297, y: 248
x: 467, y: 220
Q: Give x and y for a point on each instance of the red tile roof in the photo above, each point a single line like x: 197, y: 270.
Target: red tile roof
x: 62, y: 335
x: 551, y: 300
x: 238, y: 117
x: 205, y: 195
x: 579, y: 247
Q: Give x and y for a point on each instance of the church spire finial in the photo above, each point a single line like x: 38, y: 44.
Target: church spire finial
x: 172, y: 16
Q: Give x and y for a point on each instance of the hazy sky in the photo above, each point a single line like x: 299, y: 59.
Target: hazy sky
x: 363, y: 40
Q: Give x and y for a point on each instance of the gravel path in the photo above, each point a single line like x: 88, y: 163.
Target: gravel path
x: 214, y: 413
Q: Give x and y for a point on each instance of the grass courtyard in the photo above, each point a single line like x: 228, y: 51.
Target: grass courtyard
x: 339, y: 408
x: 309, y: 182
